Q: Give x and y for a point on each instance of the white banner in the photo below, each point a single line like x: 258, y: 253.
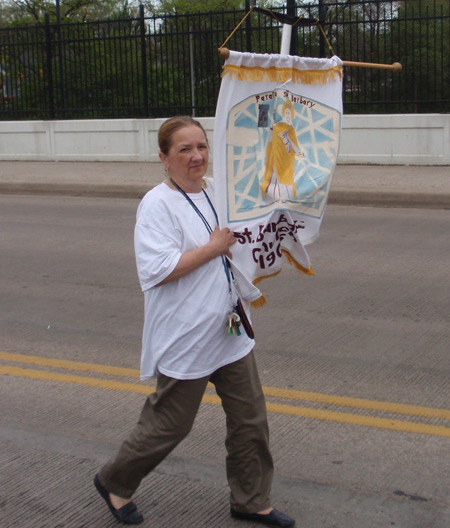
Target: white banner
x: 276, y: 143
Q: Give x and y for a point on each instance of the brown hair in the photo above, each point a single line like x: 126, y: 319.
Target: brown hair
x: 169, y: 127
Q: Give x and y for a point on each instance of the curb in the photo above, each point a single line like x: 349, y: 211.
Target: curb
x: 76, y: 189
x: 337, y: 197
x: 390, y: 199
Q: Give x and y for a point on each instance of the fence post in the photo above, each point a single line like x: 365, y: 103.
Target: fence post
x: 291, y: 11
x: 248, y: 27
x: 143, y: 60
x: 60, y: 60
x: 48, y: 47
x: 322, y: 15
x: 192, y: 70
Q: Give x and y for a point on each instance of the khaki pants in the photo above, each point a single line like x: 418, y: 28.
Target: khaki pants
x: 168, y: 416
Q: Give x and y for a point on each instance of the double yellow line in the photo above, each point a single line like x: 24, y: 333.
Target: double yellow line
x: 361, y: 405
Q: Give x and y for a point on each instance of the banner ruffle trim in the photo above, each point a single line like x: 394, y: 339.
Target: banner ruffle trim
x: 282, y: 75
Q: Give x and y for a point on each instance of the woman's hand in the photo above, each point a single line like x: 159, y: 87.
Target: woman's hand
x: 219, y: 244
x: 221, y: 240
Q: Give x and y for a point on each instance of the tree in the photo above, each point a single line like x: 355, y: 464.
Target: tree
x: 172, y: 7
x: 421, y: 42
x: 358, y: 31
x: 185, y: 47
x: 25, y: 12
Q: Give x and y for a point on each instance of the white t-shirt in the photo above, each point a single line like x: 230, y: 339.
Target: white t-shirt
x: 184, y: 333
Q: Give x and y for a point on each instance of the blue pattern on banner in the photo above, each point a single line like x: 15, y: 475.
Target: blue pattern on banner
x: 311, y: 133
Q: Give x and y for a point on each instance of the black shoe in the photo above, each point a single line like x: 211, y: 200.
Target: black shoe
x: 128, y: 514
x: 274, y: 518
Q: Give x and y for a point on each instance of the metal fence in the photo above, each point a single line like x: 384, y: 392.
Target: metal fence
x: 167, y: 65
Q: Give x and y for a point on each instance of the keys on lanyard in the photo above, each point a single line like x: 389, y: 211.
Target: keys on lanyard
x: 233, y: 324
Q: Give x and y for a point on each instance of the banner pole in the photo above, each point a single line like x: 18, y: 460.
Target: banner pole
x: 286, y: 39
x: 224, y: 53
x: 396, y: 66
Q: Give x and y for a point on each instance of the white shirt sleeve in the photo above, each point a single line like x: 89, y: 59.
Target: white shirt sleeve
x: 157, y: 243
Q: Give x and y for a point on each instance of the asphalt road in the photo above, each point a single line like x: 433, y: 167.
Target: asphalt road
x: 355, y: 364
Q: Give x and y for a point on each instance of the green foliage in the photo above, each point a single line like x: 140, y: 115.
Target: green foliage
x: 172, y: 7
x: 96, y: 68
x: 25, y: 12
x: 420, y: 38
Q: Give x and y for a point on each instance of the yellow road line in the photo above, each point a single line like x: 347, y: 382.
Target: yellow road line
x: 355, y: 419
x: 315, y: 397
x: 79, y: 380
x: 369, y: 421
x: 69, y: 365
x: 359, y: 403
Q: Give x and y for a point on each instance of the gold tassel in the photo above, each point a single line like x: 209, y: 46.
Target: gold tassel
x: 258, y: 74
x: 294, y: 263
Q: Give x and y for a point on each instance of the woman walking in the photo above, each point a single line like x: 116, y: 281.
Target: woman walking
x: 192, y: 335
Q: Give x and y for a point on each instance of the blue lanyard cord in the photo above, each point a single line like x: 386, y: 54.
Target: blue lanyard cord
x: 225, y: 263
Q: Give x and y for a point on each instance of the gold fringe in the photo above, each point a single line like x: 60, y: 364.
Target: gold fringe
x: 259, y: 303
x: 258, y: 74
x: 259, y: 279
x: 294, y: 263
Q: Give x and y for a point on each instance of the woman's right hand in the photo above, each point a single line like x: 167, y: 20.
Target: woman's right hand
x: 221, y: 240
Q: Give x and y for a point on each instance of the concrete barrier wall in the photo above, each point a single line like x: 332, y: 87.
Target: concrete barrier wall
x: 409, y: 139
x: 414, y: 139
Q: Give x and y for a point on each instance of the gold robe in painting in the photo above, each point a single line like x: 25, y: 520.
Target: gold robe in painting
x: 280, y: 156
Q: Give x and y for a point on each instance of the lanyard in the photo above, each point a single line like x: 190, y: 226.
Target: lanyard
x: 225, y: 263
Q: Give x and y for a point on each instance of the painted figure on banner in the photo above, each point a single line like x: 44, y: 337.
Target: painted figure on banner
x: 282, y: 150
